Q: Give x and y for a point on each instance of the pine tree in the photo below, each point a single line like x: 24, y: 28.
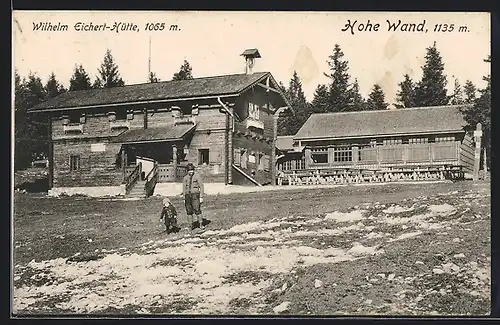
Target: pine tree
x: 457, y: 97
x: 109, y: 76
x: 358, y: 103
x: 376, y: 99
x: 298, y: 101
x: 431, y: 90
x: 80, y: 79
x: 406, y: 95
x: 153, y: 78
x: 339, y: 92
x: 21, y: 154
x: 470, y: 92
x: 53, y: 87
x: 480, y: 112
x: 31, y: 130
x: 300, y: 111
x: 286, y: 116
x: 97, y: 84
x: 320, y: 101
x: 185, y: 72
x: 282, y: 87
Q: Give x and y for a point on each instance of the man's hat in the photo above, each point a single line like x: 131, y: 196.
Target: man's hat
x: 190, y: 166
x: 166, y: 201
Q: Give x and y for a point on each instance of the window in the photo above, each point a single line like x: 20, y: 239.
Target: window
x: 74, y: 162
x: 74, y: 118
x: 203, y: 156
x: 302, y: 163
x: 186, y: 110
x: 253, y: 111
x: 320, y: 155
x: 251, y: 158
x: 342, y: 154
x: 266, y: 162
x: 237, y: 157
x: 389, y: 142
x: 287, y: 165
x: 243, y: 160
x: 444, y: 139
x: 417, y: 140
x: 121, y: 114
x: 260, y: 161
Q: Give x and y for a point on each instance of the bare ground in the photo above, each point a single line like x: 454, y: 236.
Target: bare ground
x: 394, y: 249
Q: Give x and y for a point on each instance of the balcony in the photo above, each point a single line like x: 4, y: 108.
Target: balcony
x: 253, y: 123
x: 184, y: 119
x: 119, y: 124
x: 73, y: 128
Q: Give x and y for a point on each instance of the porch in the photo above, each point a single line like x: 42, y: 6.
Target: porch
x: 360, y: 163
x: 153, y: 155
x: 372, y: 157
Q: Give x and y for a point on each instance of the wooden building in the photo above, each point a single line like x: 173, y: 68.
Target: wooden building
x: 377, y: 146
x: 126, y: 139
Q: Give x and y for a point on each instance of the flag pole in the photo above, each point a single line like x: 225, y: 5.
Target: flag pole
x: 149, y: 59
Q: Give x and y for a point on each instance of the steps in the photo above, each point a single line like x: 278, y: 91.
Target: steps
x: 250, y: 178
x: 137, y: 190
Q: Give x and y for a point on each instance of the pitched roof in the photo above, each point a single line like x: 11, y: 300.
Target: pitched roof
x: 198, y: 87
x: 386, y: 122
x: 166, y: 133
x: 284, y: 142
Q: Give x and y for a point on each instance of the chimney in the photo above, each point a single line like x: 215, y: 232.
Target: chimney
x: 250, y: 56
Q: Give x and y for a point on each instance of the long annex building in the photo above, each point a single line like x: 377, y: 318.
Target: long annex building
x: 427, y: 143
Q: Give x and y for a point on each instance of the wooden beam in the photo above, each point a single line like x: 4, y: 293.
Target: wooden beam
x: 268, y: 88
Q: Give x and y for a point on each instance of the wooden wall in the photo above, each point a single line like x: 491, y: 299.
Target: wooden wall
x: 214, y: 142
x: 95, y: 125
x: 265, y: 100
x: 253, y: 140
x: 96, y: 168
x: 365, y: 155
x: 256, y: 147
x: 467, y: 148
x: 99, y: 169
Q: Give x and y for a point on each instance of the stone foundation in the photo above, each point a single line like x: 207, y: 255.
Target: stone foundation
x: 174, y: 189
x: 93, y: 191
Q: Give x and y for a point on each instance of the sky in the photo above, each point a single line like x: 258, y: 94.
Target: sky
x: 287, y: 41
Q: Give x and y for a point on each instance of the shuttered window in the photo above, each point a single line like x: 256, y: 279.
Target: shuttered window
x: 74, y: 162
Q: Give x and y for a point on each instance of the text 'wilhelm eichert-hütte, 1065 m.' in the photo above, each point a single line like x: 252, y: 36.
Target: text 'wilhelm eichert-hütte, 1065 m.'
x: 105, y: 27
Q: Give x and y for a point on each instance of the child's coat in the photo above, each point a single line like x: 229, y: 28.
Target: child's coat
x: 169, y: 215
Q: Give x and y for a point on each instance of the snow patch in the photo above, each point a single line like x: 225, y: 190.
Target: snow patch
x: 397, y: 209
x: 352, y: 216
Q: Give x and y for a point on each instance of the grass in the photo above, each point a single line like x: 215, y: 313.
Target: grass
x: 38, y: 220
x: 50, y: 228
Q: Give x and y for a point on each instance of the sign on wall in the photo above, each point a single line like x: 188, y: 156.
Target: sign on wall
x: 97, y: 147
x: 251, y: 159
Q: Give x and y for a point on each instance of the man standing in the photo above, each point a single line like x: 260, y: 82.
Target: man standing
x: 192, y: 190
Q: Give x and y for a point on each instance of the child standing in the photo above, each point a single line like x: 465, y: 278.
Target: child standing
x: 169, y: 216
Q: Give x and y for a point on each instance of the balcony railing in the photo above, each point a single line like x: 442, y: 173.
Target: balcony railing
x: 73, y: 128
x: 119, y: 124
x: 253, y: 123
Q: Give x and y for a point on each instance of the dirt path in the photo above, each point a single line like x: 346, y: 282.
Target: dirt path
x: 410, y: 254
